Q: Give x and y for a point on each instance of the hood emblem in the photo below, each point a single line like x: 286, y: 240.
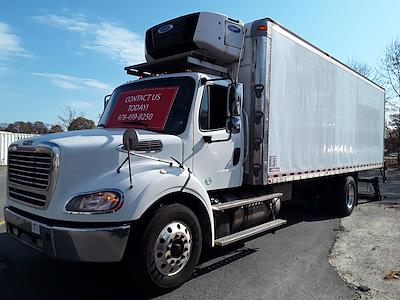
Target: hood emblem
x: 27, y: 143
x: 165, y: 28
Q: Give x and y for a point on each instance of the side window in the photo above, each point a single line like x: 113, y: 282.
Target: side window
x: 213, y: 108
x: 204, y: 117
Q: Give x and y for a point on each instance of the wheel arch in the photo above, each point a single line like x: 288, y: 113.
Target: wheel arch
x: 192, y: 202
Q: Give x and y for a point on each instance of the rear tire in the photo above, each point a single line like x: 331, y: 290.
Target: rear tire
x: 169, y: 249
x: 346, y: 196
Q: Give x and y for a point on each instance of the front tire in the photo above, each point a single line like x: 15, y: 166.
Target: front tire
x: 170, y: 248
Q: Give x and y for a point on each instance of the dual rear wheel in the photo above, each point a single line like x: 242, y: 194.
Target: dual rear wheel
x: 346, y: 196
x: 339, y: 195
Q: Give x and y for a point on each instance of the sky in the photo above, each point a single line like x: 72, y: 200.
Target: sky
x: 59, y: 53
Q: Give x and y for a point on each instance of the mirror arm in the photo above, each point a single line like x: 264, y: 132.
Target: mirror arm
x: 204, y: 80
x: 208, y: 139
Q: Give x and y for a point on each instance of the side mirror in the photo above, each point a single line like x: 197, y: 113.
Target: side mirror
x: 130, y: 139
x: 235, y: 96
x: 106, y: 100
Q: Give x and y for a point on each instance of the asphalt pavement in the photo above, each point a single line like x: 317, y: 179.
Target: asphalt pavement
x: 291, y: 263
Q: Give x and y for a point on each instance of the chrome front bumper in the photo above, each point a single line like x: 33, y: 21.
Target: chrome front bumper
x: 99, y: 244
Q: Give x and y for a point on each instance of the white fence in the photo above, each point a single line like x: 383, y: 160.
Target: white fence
x: 6, y: 138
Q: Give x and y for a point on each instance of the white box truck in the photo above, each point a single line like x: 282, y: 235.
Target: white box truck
x: 225, y: 121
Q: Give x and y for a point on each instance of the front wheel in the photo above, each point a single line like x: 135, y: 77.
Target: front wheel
x: 170, y: 248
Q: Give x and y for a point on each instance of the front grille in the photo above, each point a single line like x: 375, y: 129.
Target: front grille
x: 27, y: 196
x: 29, y: 169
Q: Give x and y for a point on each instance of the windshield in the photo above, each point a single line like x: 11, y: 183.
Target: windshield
x: 160, y: 105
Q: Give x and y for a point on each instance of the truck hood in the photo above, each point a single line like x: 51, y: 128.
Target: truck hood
x: 88, y: 160
x: 98, y: 147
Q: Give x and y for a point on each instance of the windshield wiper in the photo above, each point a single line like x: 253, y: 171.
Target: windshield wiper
x: 146, y: 126
x: 137, y: 123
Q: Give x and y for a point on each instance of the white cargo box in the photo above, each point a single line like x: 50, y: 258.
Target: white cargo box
x: 312, y: 115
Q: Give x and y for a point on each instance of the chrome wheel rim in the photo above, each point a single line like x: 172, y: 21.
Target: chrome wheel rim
x: 350, y: 196
x: 173, y: 248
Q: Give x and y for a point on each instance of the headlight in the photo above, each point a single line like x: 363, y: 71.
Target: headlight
x: 99, y: 202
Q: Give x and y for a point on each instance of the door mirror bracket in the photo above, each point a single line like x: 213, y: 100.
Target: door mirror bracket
x: 208, y: 139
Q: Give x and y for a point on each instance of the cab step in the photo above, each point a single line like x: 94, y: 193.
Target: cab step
x: 247, y: 201
x: 229, y: 239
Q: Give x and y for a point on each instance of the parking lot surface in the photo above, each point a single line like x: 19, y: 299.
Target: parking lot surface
x: 290, y: 264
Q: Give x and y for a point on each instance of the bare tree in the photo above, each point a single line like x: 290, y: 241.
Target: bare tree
x: 3, y: 126
x: 389, y: 75
x: 56, y: 128
x: 39, y: 127
x: 361, y: 67
x: 389, y: 70
x: 68, y: 115
x: 81, y: 123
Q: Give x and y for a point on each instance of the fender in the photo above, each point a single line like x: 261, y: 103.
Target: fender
x: 156, y: 184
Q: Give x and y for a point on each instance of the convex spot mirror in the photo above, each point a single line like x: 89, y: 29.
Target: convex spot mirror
x: 130, y: 139
x: 106, y: 100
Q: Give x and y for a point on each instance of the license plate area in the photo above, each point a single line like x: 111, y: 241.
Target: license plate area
x: 29, y: 238
x: 30, y: 232
x: 35, y: 228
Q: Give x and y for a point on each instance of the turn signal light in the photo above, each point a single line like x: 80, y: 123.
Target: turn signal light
x: 262, y: 28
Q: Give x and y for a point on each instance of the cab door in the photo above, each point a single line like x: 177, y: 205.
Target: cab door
x: 217, y: 154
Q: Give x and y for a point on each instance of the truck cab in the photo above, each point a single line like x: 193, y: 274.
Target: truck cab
x: 198, y: 116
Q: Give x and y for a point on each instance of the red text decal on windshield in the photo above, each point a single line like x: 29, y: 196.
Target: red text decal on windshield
x: 147, y: 108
